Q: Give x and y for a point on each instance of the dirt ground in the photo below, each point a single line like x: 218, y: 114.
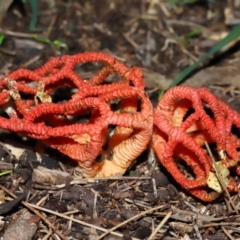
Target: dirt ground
x: 162, y: 39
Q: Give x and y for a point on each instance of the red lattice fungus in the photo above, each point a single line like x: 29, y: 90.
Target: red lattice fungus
x: 106, y: 121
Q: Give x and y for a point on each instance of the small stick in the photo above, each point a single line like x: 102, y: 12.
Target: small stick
x: 227, y: 233
x: 151, y: 237
x: 75, y: 220
x: 129, y: 220
x: 36, y: 212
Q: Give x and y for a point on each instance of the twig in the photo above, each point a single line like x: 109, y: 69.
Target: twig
x: 47, y: 236
x: 227, y: 233
x: 220, y: 224
x: 151, y: 5
x: 151, y: 237
x: 32, y: 60
x: 131, y: 41
x: 79, y: 180
x: 75, y: 220
x: 164, y: 8
x: 52, y: 22
x: 27, y: 205
x: 177, y: 42
x: 199, y: 237
x: 18, y: 34
x: 129, y: 220
x: 187, y: 23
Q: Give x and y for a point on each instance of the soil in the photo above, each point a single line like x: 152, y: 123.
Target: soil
x: 162, y: 39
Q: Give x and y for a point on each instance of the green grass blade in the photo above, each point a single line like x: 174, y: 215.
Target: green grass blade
x: 2, y: 37
x: 5, y: 172
x: 34, y: 16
